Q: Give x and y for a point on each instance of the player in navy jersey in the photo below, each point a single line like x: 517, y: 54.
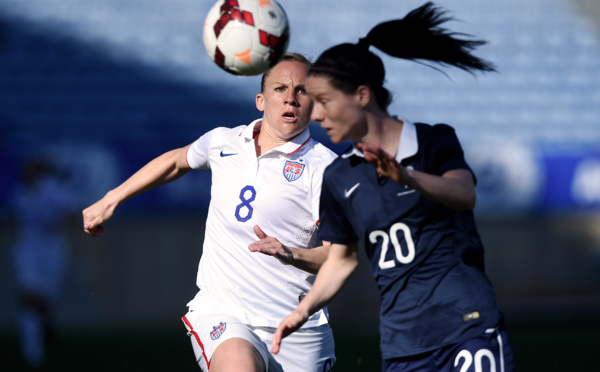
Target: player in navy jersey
x: 406, y: 193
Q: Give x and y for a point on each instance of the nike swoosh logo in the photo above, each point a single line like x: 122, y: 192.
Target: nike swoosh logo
x: 227, y: 154
x: 406, y: 192
x: 347, y: 193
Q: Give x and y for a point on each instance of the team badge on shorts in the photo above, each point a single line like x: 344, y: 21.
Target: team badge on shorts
x: 292, y: 170
x: 218, y: 331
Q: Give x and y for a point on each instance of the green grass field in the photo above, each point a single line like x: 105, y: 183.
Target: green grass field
x: 537, y: 348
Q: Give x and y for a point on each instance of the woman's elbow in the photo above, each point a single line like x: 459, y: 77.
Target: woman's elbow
x: 469, y: 201
x: 463, y: 201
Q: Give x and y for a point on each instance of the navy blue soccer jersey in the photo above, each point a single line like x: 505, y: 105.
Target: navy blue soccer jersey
x: 427, y: 259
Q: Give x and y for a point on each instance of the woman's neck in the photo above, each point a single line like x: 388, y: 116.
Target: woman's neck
x: 384, y: 132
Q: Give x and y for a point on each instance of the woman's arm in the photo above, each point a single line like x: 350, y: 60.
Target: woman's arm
x: 333, y: 275
x: 305, y: 259
x: 454, y: 189
x: 163, y: 169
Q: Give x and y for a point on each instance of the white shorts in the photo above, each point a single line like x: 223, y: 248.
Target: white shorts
x: 306, y: 350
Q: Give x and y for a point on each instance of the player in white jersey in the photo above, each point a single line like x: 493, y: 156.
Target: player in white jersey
x: 265, y: 174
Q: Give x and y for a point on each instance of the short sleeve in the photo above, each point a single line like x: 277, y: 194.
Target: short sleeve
x: 445, y: 149
x: 198, y: 153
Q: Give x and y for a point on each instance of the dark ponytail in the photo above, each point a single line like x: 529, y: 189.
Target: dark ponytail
x: 416, y: 37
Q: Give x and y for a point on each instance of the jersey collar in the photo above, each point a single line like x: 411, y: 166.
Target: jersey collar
x: 251, y: 130
x: 407, y: 147
x: 289, y: 147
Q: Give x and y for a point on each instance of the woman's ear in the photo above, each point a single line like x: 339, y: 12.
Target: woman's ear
x: 260, y: 102
x: 363, y: 95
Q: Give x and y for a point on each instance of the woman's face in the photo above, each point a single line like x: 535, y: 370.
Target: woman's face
x: 340, y: 114
x: 284, y: 101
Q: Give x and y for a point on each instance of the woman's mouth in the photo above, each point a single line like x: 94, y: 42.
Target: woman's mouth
x: 289, y: 116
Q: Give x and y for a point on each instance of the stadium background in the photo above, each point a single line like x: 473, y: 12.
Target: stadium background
x: 101, y: 87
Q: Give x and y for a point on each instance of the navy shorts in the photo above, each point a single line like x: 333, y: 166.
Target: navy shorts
x: 489, y: 352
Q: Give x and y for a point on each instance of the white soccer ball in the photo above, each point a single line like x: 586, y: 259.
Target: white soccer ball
x: 246, y: 37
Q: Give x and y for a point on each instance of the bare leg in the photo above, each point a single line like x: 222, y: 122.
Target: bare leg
x: 237, y: 355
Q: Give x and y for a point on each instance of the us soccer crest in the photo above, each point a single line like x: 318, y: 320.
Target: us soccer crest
x: 218, y: 331
x: 292, y: 170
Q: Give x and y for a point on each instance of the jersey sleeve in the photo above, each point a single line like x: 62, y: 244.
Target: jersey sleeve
x: 198, y: 153
x: 334, y: 226
x: 446, y: 151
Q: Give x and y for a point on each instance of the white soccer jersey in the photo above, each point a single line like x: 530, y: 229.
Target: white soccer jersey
x: 278, y: 191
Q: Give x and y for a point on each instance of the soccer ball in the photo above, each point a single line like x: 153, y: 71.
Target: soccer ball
x: 246, y: 37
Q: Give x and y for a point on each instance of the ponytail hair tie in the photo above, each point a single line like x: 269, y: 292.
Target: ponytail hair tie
x: 364, y: 43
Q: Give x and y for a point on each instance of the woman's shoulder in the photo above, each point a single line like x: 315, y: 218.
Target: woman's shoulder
x: 320, y: 150
x: 425, y: 128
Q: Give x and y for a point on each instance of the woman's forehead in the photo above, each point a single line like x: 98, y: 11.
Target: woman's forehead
x: 317, y: 82
x: 284, y: 71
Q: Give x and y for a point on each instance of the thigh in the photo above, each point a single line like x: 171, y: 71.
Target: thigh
x: 306, y: 350
x: 208, y: 331
x: 237, y: 354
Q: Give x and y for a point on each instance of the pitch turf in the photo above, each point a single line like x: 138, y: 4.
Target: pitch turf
x: 549, y: 347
